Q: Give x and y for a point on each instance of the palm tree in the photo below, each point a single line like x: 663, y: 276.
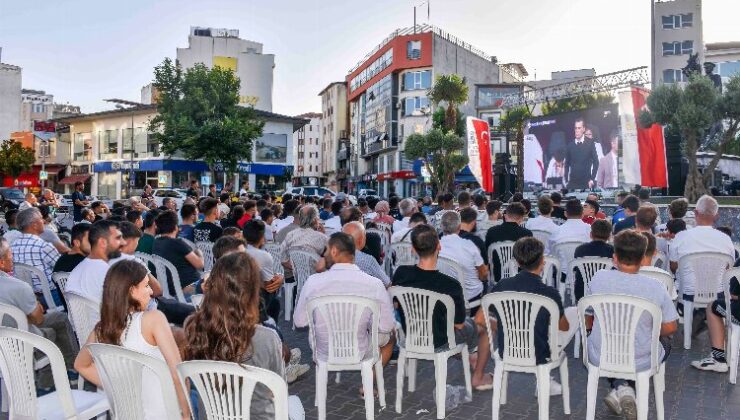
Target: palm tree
x: 451, y: 89
x: 513, y: 124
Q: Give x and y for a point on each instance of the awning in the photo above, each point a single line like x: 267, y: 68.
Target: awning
x: 72, y: 179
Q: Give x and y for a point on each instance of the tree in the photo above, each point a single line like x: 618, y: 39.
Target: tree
x: 451, y: 89
x: 513, y: 124
x: 442, y: 155
x: 439, y: 116
x: 199, y: 115
x: 577, y: 103
x: 15, y: 158
x: 703, y: 117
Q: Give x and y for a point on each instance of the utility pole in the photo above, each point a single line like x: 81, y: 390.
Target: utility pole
x: 428, y: 3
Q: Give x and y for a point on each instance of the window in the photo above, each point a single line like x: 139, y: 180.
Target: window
x: 415, y: 80
x: 108, y: 144
x: 678, y: 21
x: 678, y: 48
x: 413, y: 50
x: 415, y: 105
x: 107, y: 184
x: 380, y: 64
x: 38, y: 108
x: 82, y: 147
x: 672, y: 76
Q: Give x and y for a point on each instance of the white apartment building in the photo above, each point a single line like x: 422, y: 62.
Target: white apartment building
x: 676, y: 34
x: 224, y: 48
x: 726, y: 56
x: 10, y: 100
x: 36, y: 105
x: 307, y: 151
x: 333, y: 131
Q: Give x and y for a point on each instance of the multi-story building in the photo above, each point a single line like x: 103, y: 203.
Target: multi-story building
x: 10, y: 100
x: 307, y: 142
x: 676, y: 34
x: 333, y: 133
x: 224, y: 48
x: 36, y: 105
x: 726, y: 56
x: 110, y: 149
x: 65, y: 110
x: 388, y: 102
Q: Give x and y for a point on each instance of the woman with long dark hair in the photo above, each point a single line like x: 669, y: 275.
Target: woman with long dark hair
x: 125, y: 322
x: 226, y: 327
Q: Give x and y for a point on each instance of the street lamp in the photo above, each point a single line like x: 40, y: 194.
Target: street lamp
x: 123, y: 104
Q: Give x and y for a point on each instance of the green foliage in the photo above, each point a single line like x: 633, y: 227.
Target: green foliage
x: 442, y: 153
x: 451, y: 89
x: 513, y: 123
x: 199, y: 115
x: 577, y: 103
x: 438, y: 121
x: 14, y: 158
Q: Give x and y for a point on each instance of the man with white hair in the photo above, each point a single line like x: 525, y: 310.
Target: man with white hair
x: 308, y: 236
x: 366, y: 262
x: 29, y: 202
x: 407, y: 208
x: 465, y: 253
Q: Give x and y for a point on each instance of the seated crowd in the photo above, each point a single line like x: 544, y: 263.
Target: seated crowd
x: 116, y: 256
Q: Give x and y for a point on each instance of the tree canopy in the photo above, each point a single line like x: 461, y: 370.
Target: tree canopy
x: 15, y: 158
x: 451, y: 89
x: 199, y: 115
x: 513, y: 123
x: 442, y: 154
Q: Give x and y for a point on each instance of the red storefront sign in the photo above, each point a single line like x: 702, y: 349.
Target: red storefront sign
x: 397, y: 175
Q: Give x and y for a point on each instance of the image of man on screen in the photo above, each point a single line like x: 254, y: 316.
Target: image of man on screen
x: 606, y: 176
x: 581, y: 160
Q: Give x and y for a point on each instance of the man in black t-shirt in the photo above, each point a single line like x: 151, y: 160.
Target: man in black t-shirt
x: 425, y: 276
x: 468, y: 224
x: 80, y: 249
x: 510, y: 230
x: 208, y: 230
x: 557, y: 210
x: 79, y: 201
x: 601, y: 230
x: 168, y: 246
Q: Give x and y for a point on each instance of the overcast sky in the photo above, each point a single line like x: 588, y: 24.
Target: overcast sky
x: 83, y: 51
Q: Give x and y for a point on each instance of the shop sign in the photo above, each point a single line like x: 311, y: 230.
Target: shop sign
x: 118, y: 166
x: 205, y: 180
x: 43, y: 175
x: 162, y: 180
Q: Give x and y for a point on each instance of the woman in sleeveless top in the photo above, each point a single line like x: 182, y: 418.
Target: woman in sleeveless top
x: 124, y: 322
x: 231, y: 304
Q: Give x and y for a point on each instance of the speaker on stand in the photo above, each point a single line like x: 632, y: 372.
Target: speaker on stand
x: 504, y: 181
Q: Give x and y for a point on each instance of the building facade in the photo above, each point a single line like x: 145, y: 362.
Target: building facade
x: 10, y: 100
x: 677, y: 32
x: 307, y: 151
x: 388, y: 102
x: 113, y: 149
x: 224, y: 48
x: 333, y: 133
x: 36, y: 105
x: 726, y: 57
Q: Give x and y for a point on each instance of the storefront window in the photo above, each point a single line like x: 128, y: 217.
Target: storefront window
x: 107, y: 184
x: 181, y: 179
x: 108, y: 144
x: 82, y: 147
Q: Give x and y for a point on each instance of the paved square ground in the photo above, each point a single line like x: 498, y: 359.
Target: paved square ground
x: 690, y: 394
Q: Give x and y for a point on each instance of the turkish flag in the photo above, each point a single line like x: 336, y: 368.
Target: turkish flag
x: 651, y: 146
x: 479, y: 152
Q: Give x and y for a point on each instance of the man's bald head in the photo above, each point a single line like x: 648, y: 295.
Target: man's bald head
x: 357, y: 231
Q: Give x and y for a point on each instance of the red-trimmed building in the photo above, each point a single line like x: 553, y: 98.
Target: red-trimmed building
x: 388, y: 102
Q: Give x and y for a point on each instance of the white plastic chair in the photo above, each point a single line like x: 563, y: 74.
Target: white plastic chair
x: 517, y: 313
x: 123, y: 371
x: 385, y: 244
x: 402, y: 254
x: 190, y: 243
x: 167, y: 276
x: 481, y: 228
x: 196, y: 300
x: 206, y: 248
x: 564, y: 252
x: 418, y: 343
x: 660, y: 260
x: 274, y: 250
x: 17, y: 366
x: 504, y: 250
x: 151, y: 264
x: 344, y: 319
x: 226, y: 388
x: 541, y: 235
x: 304, y: 264
x: 453, y: 269
x: 551, y: 271
x: 60, y: 279
x: 587, y: 267
x: 662, y: 276
x: 84, y: 314
x: 712, y: 266
x: 733, y: 330
x: 27, y: 273
x: 618, y: 317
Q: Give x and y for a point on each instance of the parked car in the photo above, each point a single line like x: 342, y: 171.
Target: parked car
x: 103, y: 199
x: 367, y: 193
x: 318, y: 192
x: 178, y: 194
x: 10, y: 198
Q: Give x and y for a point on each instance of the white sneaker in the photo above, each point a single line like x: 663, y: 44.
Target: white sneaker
x: 293, y: 372
x: 295, y: 356
x: 711, y: 365
x: 627, y: 401
x: 612, y: 401
x: 555, y: 388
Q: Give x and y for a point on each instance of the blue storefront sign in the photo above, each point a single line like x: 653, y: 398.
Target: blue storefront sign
x: 186, y: 166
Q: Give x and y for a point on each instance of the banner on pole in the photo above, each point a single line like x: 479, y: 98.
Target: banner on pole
x: 479, y: 152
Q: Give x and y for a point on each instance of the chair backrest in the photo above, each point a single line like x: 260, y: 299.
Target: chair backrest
x: 517, y: 313
x: 705, y: 270
x: 402, y: 254
x: 418, y: 309
x: 343, y: 316
x: 304, y: 264
x: 31, y: 275
x: 618, y: 317
x: 660, y: 260
x: 482, y: 226
x: 226, y: 388
x: 565, y: 251
x: 84, y: 314
x: 169, y: 277
x: 452, y: 268
x: 384, y: 238
x: 551, y: 271
x: 122, y: 371
x: 15, y: 314
x: 206, y: 248
x: 275, y: 251
x: 190, y: 243
x: 542, y: 235
x: 662, y: 276
x: 196, y: 300
x: 385, y: 227
x: 504, y: 250
x: 17, y: 367
x: 588, y: 266
x: 151, y: 264
x: 60, y: 279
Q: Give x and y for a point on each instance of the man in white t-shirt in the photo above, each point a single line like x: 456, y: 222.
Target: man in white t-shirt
x: 404, y: 235
x: 702, y: 238
x: 573, y: 229
x: 106, y: 243
x: 465, y: 253
x: 543, y: 222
